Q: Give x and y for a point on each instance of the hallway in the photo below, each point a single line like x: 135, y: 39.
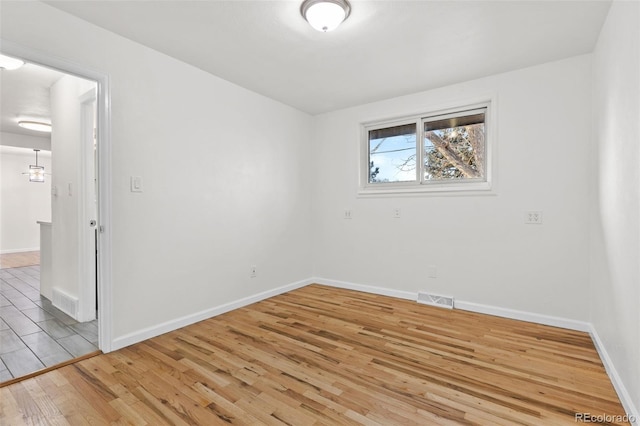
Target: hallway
x: 33, y: 333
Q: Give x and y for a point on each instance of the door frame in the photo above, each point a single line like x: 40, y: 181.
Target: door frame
x: 103, y: 169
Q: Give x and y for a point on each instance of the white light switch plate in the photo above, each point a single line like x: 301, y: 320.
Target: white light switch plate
x: 136, y: 183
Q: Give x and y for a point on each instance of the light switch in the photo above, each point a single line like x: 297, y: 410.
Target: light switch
x: 136, y: 183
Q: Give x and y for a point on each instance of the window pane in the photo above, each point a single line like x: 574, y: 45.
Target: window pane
x: 392, y: 154
x: 454, y: 148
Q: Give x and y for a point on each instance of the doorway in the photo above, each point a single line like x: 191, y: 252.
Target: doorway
x: 68, y: 321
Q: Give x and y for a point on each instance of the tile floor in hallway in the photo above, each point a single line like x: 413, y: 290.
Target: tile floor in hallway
x: 33, y: 333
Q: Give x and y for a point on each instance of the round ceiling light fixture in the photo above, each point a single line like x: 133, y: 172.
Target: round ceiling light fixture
x: 38, y: 126
x: 325, y: 15
x: 10, y: 63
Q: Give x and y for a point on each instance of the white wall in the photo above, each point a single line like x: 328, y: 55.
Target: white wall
x: 615, y: 219
x: 25, y: 141
x: 225, y: 174
x: 22, y: 203
x: 65, y: 144
x: 483, y: 251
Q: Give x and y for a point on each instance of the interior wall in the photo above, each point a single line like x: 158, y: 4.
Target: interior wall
x: 23, y: 203
x: 225, y: 174
x: 65, y: 143
x: 482, y: 249
x: 25, y: 141
x: 615, y: 211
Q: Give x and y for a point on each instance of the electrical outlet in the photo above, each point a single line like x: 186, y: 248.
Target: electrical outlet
x: 253, y: 271
x: 533, y: 217
x: 347, y: 214
x: 397, y: 213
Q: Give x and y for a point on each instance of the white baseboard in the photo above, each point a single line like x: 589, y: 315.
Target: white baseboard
x: 366, y: 288
x: 621, y: 390
x: 466, y: 306
x: 22, y: 250
x: 523, y: 316
x: 156, y: 330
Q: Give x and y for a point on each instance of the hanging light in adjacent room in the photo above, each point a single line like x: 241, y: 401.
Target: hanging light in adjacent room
x: 38, y: 126
x: 325, y: 15
x: 36, y: 173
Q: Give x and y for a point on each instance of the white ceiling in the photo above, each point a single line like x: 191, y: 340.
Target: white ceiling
x: 24, y: 95
x: 384, y: 49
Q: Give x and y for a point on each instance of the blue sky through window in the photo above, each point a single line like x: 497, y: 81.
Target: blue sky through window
x: 395, y: 157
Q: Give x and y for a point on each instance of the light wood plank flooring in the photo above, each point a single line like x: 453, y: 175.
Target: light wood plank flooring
x: 320, y: 355
x: 19, y: 260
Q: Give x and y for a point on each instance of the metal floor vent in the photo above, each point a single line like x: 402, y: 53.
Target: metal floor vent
x: 435, y: 300
x: 64, y: 302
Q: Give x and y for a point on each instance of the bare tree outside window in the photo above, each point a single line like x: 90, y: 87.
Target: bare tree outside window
x: 454, y: 153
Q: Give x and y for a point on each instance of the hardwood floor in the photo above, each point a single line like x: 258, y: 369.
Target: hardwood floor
x: 18, y: 260
x: 320, y: 355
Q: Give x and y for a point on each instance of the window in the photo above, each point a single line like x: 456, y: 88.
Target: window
x: 392, y: 154
x: 434, y: 152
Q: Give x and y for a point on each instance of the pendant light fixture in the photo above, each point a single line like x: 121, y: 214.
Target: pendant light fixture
x: 36, y: 173
x: 325, y: 15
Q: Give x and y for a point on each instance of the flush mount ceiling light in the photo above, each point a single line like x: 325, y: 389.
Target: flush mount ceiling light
x: 325, y: 15
x: 9, y: 63
x: 38, y: 126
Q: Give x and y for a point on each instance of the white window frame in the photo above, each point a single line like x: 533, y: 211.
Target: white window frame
x: 420, y: 186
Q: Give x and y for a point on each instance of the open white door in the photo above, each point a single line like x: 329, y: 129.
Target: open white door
x: 88, y: 214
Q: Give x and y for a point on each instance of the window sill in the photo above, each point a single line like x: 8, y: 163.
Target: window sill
x: 442, y: 190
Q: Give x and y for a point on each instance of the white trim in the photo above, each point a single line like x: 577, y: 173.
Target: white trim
x: 470, y: 189
x: 625, y: 398
x: 23, y: 250
x: 104, y: 172
x: 383, y: 291
x: 515, y: 314
x: 165, y: 327
x: 466, y: 306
